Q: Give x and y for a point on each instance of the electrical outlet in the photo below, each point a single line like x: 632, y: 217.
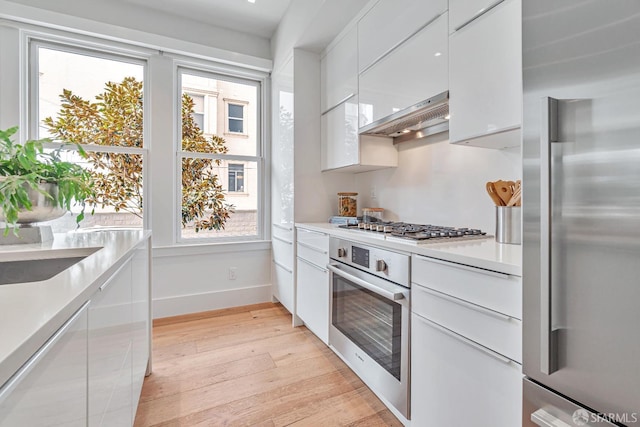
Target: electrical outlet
x: 233, y: 273
x: 374, y: 192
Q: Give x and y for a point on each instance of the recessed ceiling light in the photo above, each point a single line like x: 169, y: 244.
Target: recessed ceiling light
x: 437, y: 54
x: 251, y: 1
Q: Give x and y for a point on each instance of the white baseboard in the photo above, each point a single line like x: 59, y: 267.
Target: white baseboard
x: 194, y: 303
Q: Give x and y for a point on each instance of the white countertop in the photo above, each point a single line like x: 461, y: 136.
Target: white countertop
x: 30, y: 313
x: 483, y: 253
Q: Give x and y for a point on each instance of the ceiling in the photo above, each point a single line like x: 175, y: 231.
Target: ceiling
x: 260, y: 18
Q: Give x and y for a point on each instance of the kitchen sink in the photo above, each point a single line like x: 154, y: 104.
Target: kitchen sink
x: 25, y: 267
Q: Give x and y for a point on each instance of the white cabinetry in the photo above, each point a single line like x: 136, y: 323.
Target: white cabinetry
x: 313, y: 281
x: 339, y: 71
x: 414, y: 71
x: 51, y: 387
x: 282, y: 270
x: 466, y: 340
x: 282, y: 189
x: 140, y: 316
x: 485, y: 78
x: 341, y: 146
x: 390, y: 22
x: 110, y: 351
x: 461, y: 12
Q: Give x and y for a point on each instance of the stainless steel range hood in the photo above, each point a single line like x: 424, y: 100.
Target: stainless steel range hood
x: 425, y: 118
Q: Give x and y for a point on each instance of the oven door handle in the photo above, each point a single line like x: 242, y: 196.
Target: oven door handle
x: 393, y: 296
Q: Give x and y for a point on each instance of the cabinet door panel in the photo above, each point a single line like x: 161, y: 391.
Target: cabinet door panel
x: 391, y: 21
x: 456, y: 384
x: 486, y: 76
x: 339, y: 70
x: 140, y: 315
x: 415, y: 71
x: 282, y: 283
x: 339, y: 135
x: 463, y: 11
x: 313, y: 298
x: 53, y: 390
x: 110, y: 342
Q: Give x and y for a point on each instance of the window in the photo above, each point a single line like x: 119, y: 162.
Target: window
x: 220, y: 174
x: 198, y: 110
x: 95, y: 99
x: 236, y: 118
x: 236, y: 177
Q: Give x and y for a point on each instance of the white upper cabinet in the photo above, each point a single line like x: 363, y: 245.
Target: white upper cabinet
x: 343, y: 148
x: 339, y: 71
x: 485, y: 79
x: 390, y: 22
x: 414, y: 71
x: 461, y: 12
x: 339, y: 135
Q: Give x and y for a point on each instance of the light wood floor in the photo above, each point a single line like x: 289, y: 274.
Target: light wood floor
x: 248, y: 367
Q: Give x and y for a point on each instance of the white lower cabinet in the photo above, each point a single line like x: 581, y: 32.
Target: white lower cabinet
x: 140, y: 323
x: 51, y: 387
x: 312, y: 282
x: 456, y: 382
x: 466, y: 345
x: 110, y: 352
x: 282, y: 269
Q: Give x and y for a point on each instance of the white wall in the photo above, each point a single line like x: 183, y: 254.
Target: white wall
x: 195, y: 279
x: 440, y: 183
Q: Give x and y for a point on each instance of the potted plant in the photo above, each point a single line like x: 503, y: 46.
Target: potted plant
x: 31, y: 178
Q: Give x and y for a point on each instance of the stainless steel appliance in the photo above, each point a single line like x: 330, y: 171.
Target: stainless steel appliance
x: 370, y: 315
x: 581, y: 229
x: 417, y: 233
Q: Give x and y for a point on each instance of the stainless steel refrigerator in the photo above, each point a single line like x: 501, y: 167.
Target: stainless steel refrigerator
x: 581, y: 232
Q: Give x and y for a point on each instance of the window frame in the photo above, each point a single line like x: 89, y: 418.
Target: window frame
x: 213, y: 70
x: 103, y: 50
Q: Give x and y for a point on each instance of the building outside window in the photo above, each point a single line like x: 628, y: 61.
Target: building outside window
x: 93, y: 98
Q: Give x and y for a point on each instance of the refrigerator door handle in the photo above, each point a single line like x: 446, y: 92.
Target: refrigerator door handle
x: 545, y: 419
x: 548, y: 135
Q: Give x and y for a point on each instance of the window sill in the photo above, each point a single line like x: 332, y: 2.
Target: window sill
x: 190, y: 249
x: 237, y: 135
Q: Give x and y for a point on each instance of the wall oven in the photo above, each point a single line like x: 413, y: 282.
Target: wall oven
x: 370, y: 315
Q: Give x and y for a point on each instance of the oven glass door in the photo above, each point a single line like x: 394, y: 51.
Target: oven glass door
x: 370, y: 321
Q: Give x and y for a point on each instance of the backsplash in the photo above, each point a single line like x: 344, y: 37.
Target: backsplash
x: 440, y: 183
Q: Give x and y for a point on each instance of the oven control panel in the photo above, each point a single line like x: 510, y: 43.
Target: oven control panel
x: 360, y: 256
x: 390, y: 265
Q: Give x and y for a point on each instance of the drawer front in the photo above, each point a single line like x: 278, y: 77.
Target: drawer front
x: 497, y: 331
x: 309, y: 253
x: 319, y: 241
x: 282, y: 231
x: 496, y: 291
x: 282, y: 252
x: 455, y: 382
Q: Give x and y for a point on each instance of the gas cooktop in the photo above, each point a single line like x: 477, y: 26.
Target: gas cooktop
x: 417, y: 233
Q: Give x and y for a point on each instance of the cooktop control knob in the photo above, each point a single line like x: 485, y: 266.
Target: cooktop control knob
x: 342, y: 252
x: 381, y: 265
